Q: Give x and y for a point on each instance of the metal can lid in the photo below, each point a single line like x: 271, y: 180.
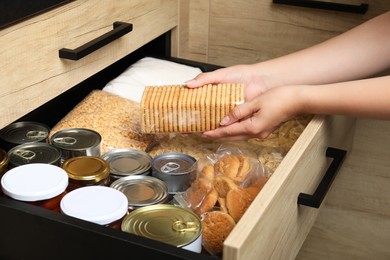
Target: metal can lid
x: 76, y: 139
x: 34, y: 153
x: 125, y: 162
x: 86, y: 168
x: 34, y: 182
x: 4, y: 159
x: 99, y: 204
x: 142, y: 190
x: 24, y: 132
x: 173, y: 163
x: 166, y: 223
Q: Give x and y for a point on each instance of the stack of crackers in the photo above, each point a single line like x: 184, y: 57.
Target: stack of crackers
x: 169, y: 109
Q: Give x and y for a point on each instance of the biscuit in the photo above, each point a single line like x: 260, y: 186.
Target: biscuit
x: 208, y: 172
x: 197, y: 191
x: 213, y: 107
x: 237, y: 202
x: 208, y: 202
x: 145, y: 113
x: 223, y: 185
x: 207, y: 107
x: 243, y: 170
x: 175, y: 114
x: 227, y: 165
x: 203, y: 108
x: 216, y: 226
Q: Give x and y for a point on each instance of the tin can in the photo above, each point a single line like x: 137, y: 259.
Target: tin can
x: 34, y: 153
x: 86, y: 171
x: 168, y: 224
x: 142, y: 190
x: 23, y: 132
x: 126, y: 162
x: 174, y: 169
x: 40, y: 184
x: 75, y: 142
x: 4, y: 160
x: 98, y: 204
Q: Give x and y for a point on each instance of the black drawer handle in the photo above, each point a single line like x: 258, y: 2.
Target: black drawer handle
x: 316, y: 199
x: 119, y: 30
x: 360, y: 9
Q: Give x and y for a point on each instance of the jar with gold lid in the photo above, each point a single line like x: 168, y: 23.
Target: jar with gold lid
x: 4, y: 159
x: 86, y: 171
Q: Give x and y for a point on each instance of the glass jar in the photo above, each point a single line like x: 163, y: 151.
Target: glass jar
x: 39, y: 184
x: 86, y: 171
x: 98, y: 204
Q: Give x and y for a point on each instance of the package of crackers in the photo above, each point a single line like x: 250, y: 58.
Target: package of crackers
x: 178, y: 109
x: 115, y: 118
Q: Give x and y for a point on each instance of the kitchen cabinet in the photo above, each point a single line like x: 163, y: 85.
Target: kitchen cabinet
x: 230, y: 32
x: 39, y: 85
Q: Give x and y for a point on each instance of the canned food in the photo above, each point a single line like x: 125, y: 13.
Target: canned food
x: 34, y: 153
x: 4, y: 159
x: 142, y: 190
x: 37, y: 183
x: 86, y: 171
x: 168, y: 224
x: 174, y: 169
x: 23, y: 132
x: 75, y: 142
x: 98, y: 204
x: 126, y: 162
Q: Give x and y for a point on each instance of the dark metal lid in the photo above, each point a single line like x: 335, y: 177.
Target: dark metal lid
x: 173, y: 163
x: 166, y: 223
x: 125, y: 162
x: 34, y: 153
x: 86, y: 168
x: 76, y: 139
x: 25, y: 132
x: 142, y: 190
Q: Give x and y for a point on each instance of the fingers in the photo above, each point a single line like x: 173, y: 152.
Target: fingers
x: 206, y: 78
x: 238, y: 113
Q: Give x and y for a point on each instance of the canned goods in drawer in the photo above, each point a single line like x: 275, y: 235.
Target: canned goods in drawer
x: 75, y: 142
x: 23, y: 132
x: 142, y: 190
x: 174, y: 169
x: 34, y: 153
x: 127, y: 162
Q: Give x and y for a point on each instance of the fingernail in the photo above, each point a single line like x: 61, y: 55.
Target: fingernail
x: 224, y: 121
x: 189, y: 82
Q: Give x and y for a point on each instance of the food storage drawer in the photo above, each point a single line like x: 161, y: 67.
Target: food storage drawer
x: 31, y: 71
x: 274, y: 226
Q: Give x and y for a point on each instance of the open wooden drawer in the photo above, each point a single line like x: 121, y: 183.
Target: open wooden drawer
x: 274, y: 227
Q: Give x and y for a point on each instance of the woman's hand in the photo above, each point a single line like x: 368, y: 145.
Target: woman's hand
x: 259, y: 117
x: 250, y: 75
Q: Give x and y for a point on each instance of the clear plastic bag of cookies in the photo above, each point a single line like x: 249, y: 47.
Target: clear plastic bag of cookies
x: 178, y: 109
x: 223, y: 186
x: 115, y: 118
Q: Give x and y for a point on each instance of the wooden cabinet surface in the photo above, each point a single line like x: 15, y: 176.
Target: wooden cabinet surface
x: 231, y: 32
x: 31, y: 71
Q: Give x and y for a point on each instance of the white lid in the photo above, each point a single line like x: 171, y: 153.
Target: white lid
x: 99, y: 204
x: 34, y: 182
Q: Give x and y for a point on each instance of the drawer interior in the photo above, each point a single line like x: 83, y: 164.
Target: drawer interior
x: 36, y: 233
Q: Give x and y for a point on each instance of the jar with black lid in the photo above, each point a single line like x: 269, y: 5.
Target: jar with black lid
x: 86, y: 171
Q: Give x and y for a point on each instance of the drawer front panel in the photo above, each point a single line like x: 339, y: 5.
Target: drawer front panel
x: 32, y: 72
x: 275, y: 226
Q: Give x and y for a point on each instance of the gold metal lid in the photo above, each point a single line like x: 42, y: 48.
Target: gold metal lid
x: 86, y: 168
x: 165, y: 223
x: 3, y: 159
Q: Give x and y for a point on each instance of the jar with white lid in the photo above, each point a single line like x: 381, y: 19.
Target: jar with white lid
x: 98, y: 204
x: 40, y: 184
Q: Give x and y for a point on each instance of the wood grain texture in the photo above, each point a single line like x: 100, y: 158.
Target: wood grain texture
x: 32, y: 73
x: 274, y: 226
x: 355, y: 220
x: 257, y: 30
